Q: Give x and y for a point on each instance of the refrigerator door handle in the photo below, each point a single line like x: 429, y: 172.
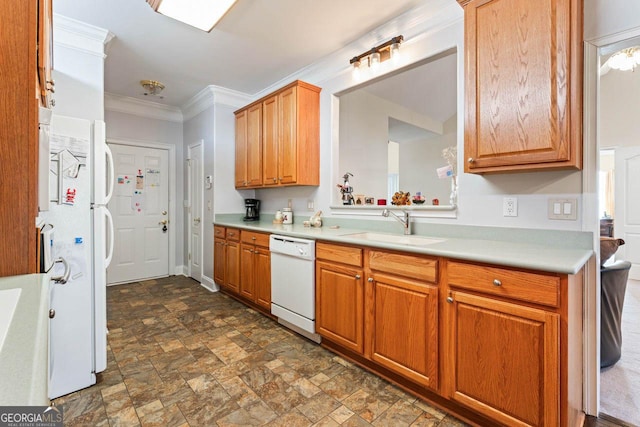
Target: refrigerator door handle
x: 107, y: 260
x: 67, y: 272
x: 109, y: 157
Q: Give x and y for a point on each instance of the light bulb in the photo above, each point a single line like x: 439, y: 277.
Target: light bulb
x: 357, y: 71
x: 395, y: 52
x: 375, y: 60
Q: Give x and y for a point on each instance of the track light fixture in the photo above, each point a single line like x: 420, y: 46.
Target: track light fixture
x: 377, y: 54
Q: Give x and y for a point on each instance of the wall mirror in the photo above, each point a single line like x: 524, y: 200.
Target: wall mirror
x: 393, y: 130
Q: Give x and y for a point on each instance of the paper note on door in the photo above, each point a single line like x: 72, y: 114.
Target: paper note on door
x: 153, y: 178
x: 139, y: 182
x: 137, y: 201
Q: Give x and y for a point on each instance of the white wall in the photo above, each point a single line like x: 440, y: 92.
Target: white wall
x: 619, y: 107
x: 127, y: 127
x: 608, y: 17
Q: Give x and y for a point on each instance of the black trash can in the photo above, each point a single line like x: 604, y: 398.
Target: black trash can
x: 613, y: 280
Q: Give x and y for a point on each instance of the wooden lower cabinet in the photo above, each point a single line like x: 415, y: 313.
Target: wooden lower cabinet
x: 226, y: 258
x: 219, y: 260
x: 232, y: 267
x: 494, y: 345
x: 340, y: 304
x: 504, y: 360
x: 402, y: 326
x: 255, y: 275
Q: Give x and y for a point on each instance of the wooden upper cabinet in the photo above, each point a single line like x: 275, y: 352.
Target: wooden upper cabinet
x: 241, y: 149
x: 45, y: 53
x: 288, y: 141
x: 270, y: 140
x: 523, y: 85
x: 254, y: 146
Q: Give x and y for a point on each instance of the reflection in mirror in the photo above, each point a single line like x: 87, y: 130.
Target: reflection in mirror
x: 393, y: 130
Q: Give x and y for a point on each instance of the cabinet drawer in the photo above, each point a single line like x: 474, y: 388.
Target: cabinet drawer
x: 343, y: 254
x: 519, y: 285
x: 219, y: 232
x: 417, y: 267
x: 254, y: 237
x: 233, y: 234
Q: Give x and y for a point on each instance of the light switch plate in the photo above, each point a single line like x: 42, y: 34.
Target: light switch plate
x: 563, y: 209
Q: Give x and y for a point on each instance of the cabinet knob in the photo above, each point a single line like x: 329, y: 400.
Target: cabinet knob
x: 497, y: 282
x: 470, y: 160
x: 450, y: 300
x: 370, y: 279
x: 357, y: 276
x: 52, y: 313
x: 253, y: 237
x: 275, y: 179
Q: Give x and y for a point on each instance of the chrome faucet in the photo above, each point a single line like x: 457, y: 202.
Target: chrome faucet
x: 405, y: 220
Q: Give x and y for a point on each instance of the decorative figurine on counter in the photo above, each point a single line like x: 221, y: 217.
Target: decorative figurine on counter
x: 316, y: 219
x: 401, y: 198
x: 346, y: 190
x: 418, y: 199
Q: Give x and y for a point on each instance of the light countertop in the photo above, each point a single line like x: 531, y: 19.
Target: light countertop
x: 24, y: 354
x: 545, y: 250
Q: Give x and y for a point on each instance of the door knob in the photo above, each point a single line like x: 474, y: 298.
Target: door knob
x: 196, y: 220
x: 163, y: 212
x: 163, y: 222
x: 52, y: 313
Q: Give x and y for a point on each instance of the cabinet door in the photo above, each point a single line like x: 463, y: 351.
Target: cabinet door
x: 503, y: 360
x: 241, y: 149
x: 270, y: 140
x: 288, y: 143
x: 254, y: 146
x: 402, y: 323
x: 262, y: 276
x: 523, y: 85
x: 219, y: 260
x: 45, y: 52
x: 340, y: 305
x: 246, y: 272
x: 232, y: 267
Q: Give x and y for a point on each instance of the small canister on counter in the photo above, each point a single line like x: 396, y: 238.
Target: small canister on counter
x: 287, y: 216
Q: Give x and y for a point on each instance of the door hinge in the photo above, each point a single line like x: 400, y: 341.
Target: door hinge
x: 189, y: 256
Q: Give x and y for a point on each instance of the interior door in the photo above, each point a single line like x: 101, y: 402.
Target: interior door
x: 627, y: 206
x: 139, y: 207
x: 195, y: 211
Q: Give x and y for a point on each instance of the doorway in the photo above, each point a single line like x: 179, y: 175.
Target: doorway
x: 619, y: 213
x: 194, y: 210
x: 140, y: 209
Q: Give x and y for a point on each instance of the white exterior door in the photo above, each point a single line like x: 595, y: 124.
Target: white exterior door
x: 627, y: 206
x: 140, y: 206
x: 194, y: 163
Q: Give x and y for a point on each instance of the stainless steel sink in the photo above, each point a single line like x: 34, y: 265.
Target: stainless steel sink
x: 395, y: 239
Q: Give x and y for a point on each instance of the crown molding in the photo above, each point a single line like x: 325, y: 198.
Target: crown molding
x: 213, y: 95
x: 414, y: 24
x: 138, y: 107
x: 80, y: 36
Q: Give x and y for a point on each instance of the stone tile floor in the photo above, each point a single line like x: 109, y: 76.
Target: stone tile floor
x: 179, y: 355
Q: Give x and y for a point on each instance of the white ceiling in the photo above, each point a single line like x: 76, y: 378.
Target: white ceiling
x: 258, y: 42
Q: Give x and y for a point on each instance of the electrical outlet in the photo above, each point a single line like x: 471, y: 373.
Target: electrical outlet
x: 310, y: 205
x: 510, y: 206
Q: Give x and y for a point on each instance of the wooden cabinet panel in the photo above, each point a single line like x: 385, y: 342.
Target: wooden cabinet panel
x: 419, y: 267
x: 233, y: 234
x: 340, y: 305
x: 45, y: 52
x: 254, y: 146
x: 288, y: 162
x: 232, y: 267
x: 270, y: 135
x: 219, y: 232
x: 247, y: 289
x: 219, y: 260
x: 402, y: 325
x: 241, y: 149
x: 338, y: 253
x: 18, y: 137
x: 514, y: 284
x: 523, y: 85
x: 255, y: 238
x: 504, y: 360
x: 262, y: 276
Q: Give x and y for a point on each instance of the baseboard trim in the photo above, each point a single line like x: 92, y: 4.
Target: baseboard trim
x: 182, y: 270
x: 209, y: 284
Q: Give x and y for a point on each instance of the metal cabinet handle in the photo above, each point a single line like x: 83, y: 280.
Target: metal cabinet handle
x: 275, y: 179
x: 253, y: 237
x: 370, y: 279
x: 497, y: 282
x: 450, y: 300
x: 358, y: 276
x: 471, y: 160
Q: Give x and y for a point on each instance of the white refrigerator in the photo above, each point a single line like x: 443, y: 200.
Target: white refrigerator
x: 81, y: 184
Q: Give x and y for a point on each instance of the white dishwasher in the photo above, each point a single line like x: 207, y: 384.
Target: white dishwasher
x: 293, y: 284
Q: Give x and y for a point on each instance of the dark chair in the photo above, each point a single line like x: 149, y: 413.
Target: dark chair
x: 613, y: 280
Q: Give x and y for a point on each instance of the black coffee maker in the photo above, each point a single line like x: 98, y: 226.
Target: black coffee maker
x: 253, y: 210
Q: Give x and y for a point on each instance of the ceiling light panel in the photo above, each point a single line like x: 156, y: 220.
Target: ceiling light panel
x: 202, y: 14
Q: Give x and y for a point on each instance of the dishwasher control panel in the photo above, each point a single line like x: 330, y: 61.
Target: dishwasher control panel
x: 292, y: 246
